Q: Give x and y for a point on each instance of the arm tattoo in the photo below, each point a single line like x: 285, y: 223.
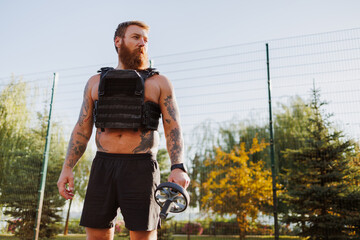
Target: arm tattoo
x: 82, y: 135
x: 97, y: 140
x: 75, y: 150
x: 83, y: 117
x: 176, y: 146
x: 146, y: 143
x: 169, y: 104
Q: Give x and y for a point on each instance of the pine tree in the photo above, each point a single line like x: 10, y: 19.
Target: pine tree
x: 321, y: 194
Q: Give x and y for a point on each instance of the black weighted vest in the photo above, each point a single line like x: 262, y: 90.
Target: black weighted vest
x: 121, y: 100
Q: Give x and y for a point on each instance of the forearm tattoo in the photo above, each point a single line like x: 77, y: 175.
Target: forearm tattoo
x: 97, y: 140
x: 146, y: 143
x: 174, y: 138
x: 75, y: 150
x: 176, y: 147
x: 169, y: 104
x: 84, y: 113
x: 78, y: 140
x: 82, y: 135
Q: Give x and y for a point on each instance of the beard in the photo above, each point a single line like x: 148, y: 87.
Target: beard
x: 136, y: 59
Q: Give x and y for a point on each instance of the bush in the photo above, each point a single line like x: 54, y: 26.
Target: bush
x: 12, y: 225
x: 192, y: 228
x: 260, y: 229
x: 165, y: 232
x: 74, y: 227
x: 224, y: 228
x: 120, y: 228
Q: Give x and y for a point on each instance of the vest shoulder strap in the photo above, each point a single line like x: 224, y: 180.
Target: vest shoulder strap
x: 102, y: 72
x: 145, y: 74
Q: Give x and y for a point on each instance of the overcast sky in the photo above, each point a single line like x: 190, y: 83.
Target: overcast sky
x: 41, y: 35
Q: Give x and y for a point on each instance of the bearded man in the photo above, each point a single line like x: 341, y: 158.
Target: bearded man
x: 125, y: 173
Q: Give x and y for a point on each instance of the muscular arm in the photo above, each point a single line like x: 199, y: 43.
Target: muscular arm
x: 173, y: 133
x: 79, y: 138
x: 171, y: 122
x: 82, y: 131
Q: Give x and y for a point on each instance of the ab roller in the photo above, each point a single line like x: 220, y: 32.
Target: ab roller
x: 171, y: 197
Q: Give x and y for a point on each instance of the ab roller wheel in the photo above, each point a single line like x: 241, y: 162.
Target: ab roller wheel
x: 171, y: 197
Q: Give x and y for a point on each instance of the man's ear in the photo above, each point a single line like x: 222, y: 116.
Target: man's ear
x: 117, y: 41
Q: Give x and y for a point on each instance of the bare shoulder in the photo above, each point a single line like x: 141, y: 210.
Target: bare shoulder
x: 93, y: 79
x: 92, y: 86
x: 163, y: 81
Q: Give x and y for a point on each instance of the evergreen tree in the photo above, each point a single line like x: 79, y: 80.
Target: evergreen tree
x: 321, y: 194
x: 289, y: 127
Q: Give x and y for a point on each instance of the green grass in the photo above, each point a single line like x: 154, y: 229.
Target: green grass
x: 184, y: 237
x: 224, y: 237
x: 59, y: 237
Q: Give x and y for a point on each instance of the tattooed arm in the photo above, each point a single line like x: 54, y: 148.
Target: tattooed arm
x: 79, y: 138
x: 172, y: 128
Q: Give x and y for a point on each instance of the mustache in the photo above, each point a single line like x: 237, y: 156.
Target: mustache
x: 140, y: 50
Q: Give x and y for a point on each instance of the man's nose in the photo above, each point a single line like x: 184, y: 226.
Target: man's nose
x: 142, y: 42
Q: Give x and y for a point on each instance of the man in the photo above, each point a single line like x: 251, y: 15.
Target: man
x: 125, y: 172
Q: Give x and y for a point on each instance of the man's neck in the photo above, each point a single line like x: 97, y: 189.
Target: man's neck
x: 120, y: 66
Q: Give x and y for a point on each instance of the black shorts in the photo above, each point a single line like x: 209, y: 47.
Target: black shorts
x: 125, y: 181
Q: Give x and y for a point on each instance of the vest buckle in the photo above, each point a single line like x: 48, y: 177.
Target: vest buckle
x: 138, y: 92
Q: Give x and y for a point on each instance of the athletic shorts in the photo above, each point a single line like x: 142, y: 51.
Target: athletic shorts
x: 125, y: 181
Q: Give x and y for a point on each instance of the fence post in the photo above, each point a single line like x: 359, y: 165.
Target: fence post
x: 45, y: 164
x: 273, y: 170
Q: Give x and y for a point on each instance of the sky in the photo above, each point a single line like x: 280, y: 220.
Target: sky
x: 75, y: 38
x: 40, y: 36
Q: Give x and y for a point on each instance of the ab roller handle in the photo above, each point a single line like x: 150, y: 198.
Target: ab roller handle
x: 171, y: 197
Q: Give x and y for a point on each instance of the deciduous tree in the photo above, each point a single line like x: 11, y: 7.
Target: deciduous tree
x: 22, y: 147
x: 237, y: 186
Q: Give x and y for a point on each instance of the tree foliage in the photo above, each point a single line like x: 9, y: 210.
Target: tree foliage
x: 164, y: 164
x: 295, y: 125
x: 289, y: 126
x: 22, y: 147
x: 237, y: 186
x: 227, y: 137
x: 12, y: 124
x: 323, y: 194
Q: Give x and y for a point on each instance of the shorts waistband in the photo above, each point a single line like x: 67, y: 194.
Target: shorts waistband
x: 125, y: 156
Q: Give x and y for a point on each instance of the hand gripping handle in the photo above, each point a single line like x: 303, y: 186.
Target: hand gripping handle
x: 171, y: 197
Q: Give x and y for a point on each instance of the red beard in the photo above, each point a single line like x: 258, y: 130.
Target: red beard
x: 136, y: 59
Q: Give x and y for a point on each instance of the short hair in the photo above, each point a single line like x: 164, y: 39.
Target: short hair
x: 121, y: 29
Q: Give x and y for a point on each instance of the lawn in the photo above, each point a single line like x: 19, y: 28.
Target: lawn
x: 177, y: 237
x: 224, y: 237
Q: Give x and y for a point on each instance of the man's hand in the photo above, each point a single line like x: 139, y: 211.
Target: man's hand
x: 180, y: 177
x: 66, y: 183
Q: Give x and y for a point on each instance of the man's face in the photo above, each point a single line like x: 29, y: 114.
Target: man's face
x: 133, y: 48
